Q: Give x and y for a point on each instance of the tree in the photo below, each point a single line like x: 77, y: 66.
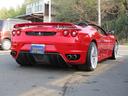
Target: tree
x: 4, y: 13
x: 29, y: 1
x: 125, y: 2
x: 75, y: 10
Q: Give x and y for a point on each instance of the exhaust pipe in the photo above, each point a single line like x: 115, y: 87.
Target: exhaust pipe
x: 74, y: 57
x: 69, y: 57
x: 13, y: 53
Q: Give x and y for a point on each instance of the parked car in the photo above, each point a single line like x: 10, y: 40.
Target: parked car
x: 81, y: 45
x: 6, y: 27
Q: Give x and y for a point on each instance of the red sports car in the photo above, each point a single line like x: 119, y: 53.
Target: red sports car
x: 81, y: 45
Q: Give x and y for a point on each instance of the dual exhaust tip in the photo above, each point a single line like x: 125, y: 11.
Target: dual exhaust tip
x: 13, y: 53
x: 73, y: 56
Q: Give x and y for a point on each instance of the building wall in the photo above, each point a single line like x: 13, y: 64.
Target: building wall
x: 35, y: 7
x: 39, y: 6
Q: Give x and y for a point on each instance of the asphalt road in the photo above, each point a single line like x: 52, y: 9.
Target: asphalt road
x: 109, y: 79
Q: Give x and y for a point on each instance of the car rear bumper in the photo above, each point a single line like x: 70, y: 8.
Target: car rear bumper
x: 71, y: 53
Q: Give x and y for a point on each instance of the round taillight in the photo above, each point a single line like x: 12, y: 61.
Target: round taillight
x: 66, y: 33
x: 18, y: 32
x: 74, y: 34
x: 13, y: 33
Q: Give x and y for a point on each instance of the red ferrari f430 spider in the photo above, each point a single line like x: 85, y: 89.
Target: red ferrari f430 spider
x: 81, y: 45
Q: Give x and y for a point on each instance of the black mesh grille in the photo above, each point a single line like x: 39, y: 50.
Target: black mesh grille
x: 41, y: 33
x: 52, y: 57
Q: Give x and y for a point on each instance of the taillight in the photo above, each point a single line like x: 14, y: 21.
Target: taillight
x: 13, y: 33
x: 74, y: 34
x: 66, y: 33
x: 16, y: 32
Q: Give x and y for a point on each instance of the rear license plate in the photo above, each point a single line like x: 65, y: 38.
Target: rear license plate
x: 37, y: 48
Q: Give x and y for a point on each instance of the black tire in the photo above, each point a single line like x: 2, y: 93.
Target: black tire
x: 6, y: 44
x: 115, y: 51
x: 25, y: 60
x: 88, y: 65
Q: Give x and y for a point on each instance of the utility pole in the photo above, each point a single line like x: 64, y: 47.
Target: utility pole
x: 50, y: 13
x: 99, y: 12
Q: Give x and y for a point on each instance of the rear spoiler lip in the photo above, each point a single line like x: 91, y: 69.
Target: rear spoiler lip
x: 45, y: 24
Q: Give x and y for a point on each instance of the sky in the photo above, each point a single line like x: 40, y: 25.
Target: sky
x: 10, y: 3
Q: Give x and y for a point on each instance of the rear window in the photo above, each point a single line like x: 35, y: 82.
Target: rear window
x: 1, y: 24
x: 8, y: 25
x: 12, y: 23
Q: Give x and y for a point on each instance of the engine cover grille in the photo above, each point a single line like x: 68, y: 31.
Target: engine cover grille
x: 41, y: 33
